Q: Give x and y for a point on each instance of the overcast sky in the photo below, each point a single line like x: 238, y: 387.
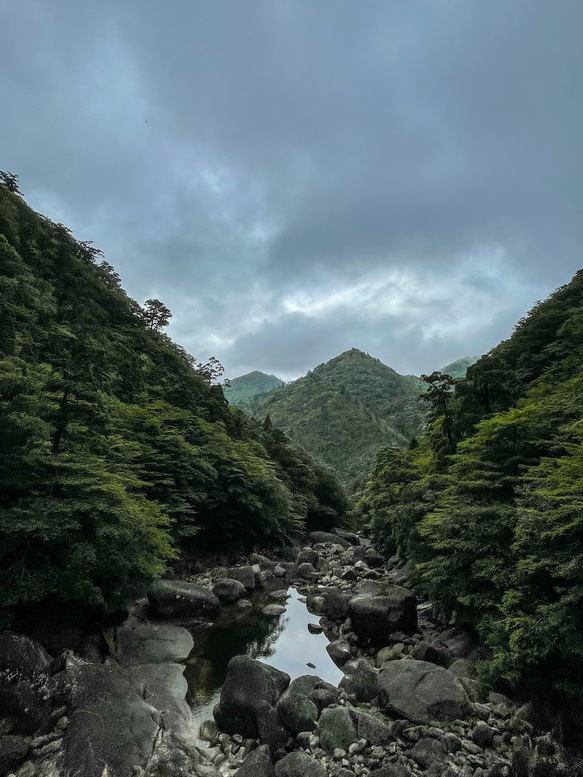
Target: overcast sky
x: 294, y: 178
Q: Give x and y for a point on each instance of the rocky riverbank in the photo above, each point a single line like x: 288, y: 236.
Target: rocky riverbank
x: 409, y: 704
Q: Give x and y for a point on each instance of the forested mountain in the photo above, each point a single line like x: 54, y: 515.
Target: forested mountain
x: 115, y: 449
x: 245, y: 388
x: 459, y: 367
x: 489, y: 506
x: 345, y: 410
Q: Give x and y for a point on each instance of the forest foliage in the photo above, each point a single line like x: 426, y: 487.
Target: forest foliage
x: 489, y: 505
x: 116, y: 447
x: 345, y: 410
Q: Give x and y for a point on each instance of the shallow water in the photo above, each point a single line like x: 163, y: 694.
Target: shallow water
x: 283, y: 642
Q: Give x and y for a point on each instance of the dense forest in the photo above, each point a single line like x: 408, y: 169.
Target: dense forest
x: 345, y: 410
x: 116, y: 449
x: 242, y: 391
x: 488, y: 506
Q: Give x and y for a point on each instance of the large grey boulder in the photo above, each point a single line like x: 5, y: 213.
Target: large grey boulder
x: 257, y: 764
x: 298, y: 764
x: 229, y: 590
x: 323, y: 536
x: 365, y: 681
x: 421, y: 692
x: 335, y: 604
x: 336, y: 728
x: 151, y: 643
x: 244, y: 575
x: 297, y: 712
x: 372, y: 728
x: 188, y: 601
x: 248, y: 682
x: 25, y: 690
x: 339, y: 652
x: 110, y: 727
x: 377, y: 617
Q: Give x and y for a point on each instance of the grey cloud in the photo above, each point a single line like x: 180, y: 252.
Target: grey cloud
x: 227, y: 156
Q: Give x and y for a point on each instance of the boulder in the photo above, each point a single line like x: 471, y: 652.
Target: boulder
x: 323, y: 536
x: 111, y: 727
x: 427, y: 751
x: 262, y: 561
x: 348, y: 536
x: 25, y: 695
x: 273, y: 610
x: 373, y: 559
x: 151, y: 643
x: 297, y: 713
x: 377, y: 617
x: 298, y: 764
x: 459, y: 642
x: 336, y: 728
x: 270, y: 728
x: 372, y: 728
x: 307, y: 555
x: 244, y: 575
x: 229, y: 590
x: 248, y: 682
x: 257, y: 764
x: 164, y: 687
x: 365, y: 681
x: 322, y: 698
x: 335, y: 604
x: 421, y: 692
x: 432, y: 652
x: 304, y: 684
x: 177, y: 599
x: 339, y: 652
x: 13, y: 751
x: 305, y: 571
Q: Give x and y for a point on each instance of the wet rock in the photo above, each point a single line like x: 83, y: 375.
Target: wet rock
x: 257, y: 764
x: 229, y: 590
x: 376, y: 617
x: 24, y: 682
x: 297, y: 712
x: 151, y: 643
x: 336, y: 728
x: 244, y: 575
x: 13, y: 751
x: 177, y: 599
x: 421, y: 692
x: 208, y: 730
x: 298, y: 764
x: 314, y: 628
x: 248, y: 682
x: 339, y: 652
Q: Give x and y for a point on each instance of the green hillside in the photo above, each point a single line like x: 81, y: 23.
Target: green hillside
x: 489, y: 506
x: 459, y: 367
x: 241, y: 390
x: 345, y: 410
x: 115, y: 448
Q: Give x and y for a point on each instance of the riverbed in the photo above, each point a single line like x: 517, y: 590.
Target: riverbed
x: 283, y: 642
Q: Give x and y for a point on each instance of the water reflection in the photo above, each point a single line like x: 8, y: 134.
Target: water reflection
x: 283, y: 642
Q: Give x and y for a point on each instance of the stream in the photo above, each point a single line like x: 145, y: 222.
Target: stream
x: 283, y: 642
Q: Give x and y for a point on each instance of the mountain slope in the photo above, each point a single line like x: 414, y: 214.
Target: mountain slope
x: 244, y: 388
x: 459, y: 367
x: 115, y: 450
x: 345, y: 410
